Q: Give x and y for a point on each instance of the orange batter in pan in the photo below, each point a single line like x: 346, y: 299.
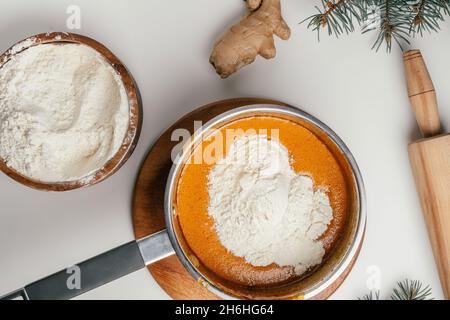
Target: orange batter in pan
x: 309, y: 156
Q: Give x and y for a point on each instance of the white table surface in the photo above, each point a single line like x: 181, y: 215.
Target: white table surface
x: 166, y: 45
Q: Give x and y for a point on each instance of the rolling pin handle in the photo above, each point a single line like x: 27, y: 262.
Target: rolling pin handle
x: 421, y: 93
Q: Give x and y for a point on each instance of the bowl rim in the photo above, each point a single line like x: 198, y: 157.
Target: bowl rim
x: 135, y: 112
x: 360, y: 225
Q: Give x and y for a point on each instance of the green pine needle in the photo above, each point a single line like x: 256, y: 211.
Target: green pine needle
x: 395, y: 21
x: 372, y: 295
x: 405, y: 290
x: 411, y: 290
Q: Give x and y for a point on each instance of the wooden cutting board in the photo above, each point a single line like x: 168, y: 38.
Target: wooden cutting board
x: 148, y: 203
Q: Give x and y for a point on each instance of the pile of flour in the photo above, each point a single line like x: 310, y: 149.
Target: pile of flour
x: 263, y: 210
x: 63, y: 112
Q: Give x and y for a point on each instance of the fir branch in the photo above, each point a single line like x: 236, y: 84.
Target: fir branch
x: 405, y: 290
x: 395, y: 20
x: 371, y: 296
x: 394, y: 24
x: 411, y: 290
x: 428, y: 14
x: 336, y: 15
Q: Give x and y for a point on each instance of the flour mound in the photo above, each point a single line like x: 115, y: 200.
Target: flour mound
x: 63, y: 112
x: 263, y: 210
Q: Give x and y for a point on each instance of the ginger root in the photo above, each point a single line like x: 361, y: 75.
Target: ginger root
x: 251, y: 37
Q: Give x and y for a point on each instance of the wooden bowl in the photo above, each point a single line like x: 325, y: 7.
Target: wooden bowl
x: 134, y: 101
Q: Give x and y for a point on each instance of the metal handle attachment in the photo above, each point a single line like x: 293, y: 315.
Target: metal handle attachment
x: 155, y: 247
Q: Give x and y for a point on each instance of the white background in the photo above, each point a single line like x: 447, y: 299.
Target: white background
x: 166, y: 45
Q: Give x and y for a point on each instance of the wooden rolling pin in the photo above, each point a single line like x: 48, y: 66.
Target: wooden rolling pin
x: 430, y: 161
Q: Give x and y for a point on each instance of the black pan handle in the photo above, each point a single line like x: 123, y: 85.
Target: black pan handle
x: 88, y: 275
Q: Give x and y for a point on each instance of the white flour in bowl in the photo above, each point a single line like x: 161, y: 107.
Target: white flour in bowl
x: 63, y: 112
x: 263, y: 210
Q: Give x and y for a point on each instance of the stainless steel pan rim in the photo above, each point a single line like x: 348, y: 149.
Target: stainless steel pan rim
x: 291, y: 111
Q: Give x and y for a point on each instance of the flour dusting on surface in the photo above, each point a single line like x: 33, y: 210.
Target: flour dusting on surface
x: 263, y: 210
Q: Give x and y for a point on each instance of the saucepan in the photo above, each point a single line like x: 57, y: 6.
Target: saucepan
x: 317, y: 283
